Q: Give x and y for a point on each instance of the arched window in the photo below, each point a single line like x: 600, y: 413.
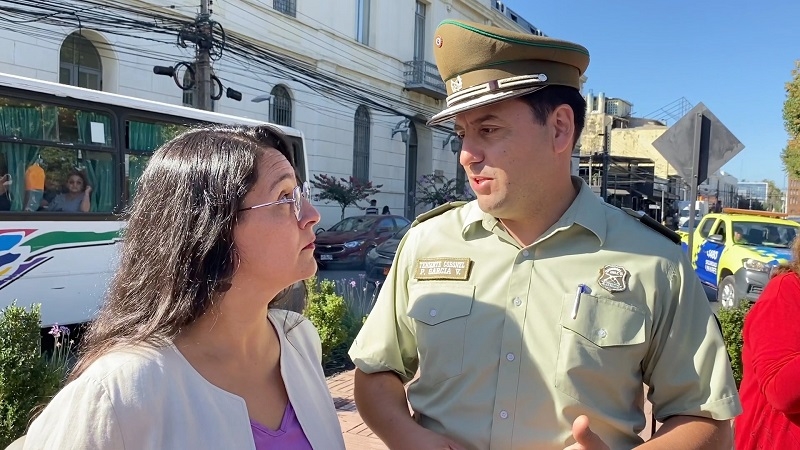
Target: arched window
x: 80, y: 63
x: 188, y: 95
x: 281, y: 111
x: 361, y: 134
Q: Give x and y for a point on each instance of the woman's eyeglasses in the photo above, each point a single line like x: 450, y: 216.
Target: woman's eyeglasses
x: 299, y: 193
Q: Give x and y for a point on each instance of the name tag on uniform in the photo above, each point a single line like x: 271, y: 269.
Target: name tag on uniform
x: 442, y: 269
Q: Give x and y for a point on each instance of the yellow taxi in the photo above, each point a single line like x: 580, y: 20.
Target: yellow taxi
x: 734, y: 251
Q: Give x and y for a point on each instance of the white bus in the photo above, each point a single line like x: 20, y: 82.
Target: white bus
x: 63, y: 260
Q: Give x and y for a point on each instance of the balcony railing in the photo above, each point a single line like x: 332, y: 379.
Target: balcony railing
x: 423, y: 77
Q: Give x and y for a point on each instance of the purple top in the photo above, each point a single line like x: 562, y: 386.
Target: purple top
x: 289, y: 436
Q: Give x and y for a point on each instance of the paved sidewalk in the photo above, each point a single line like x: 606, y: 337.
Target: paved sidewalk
x: 356, y: 434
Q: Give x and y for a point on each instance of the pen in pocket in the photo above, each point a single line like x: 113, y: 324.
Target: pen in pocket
x: 582, y: 289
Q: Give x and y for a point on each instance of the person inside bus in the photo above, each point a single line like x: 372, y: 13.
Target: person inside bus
x: 5, y: 187
x: 201, y: 358
x: 77, y: 195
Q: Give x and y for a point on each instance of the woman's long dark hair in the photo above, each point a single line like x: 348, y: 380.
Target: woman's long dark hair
x: 178, y: 251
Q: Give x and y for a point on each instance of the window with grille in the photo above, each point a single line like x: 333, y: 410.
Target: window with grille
x: 419, y: 32
x: 281, y: 111
x: 362, y: 21
x: 80, y: 64
x: 288, y: 7
x: 188, y: 95
x: 361, y: 132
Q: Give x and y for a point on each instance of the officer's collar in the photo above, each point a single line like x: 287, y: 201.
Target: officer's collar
x: 587, y: 210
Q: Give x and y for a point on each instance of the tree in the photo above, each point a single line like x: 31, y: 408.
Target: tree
x: 791, y: 121
x: 774, y: 200
x: 437, y: 190
x: 344, y: 191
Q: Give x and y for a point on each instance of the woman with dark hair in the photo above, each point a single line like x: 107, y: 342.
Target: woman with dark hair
x: 385, y: 211
x: 186, y: 351
x: 770, y: 388
x: 76, y: 196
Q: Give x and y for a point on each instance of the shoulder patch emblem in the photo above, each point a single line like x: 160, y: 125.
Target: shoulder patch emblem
x: 613, y: 278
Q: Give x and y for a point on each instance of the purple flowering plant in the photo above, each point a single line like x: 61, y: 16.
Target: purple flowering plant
x: 359, y: 296
x: 59, y: 361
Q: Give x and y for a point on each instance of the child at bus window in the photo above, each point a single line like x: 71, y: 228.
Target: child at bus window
x: 188, y: 350
x: 77, y: 197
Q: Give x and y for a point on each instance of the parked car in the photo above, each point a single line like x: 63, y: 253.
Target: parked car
x: 735, y: 251
x: 348, y: 242
x: 379, y: 259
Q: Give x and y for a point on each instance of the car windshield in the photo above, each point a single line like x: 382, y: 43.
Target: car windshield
x: 767, y: 234
x: 402, y: 231
x: 354, y: 224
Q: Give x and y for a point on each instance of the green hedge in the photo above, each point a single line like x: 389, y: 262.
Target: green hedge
x: 732, y: 322
x: 27, y: 379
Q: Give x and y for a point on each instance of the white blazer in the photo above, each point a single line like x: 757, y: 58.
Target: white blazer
x: 152, y: 398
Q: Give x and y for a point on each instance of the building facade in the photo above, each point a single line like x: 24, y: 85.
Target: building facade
x: 720, y: 190
x: 753, y: 190
x: 793, y: 197
x: 356, y: 76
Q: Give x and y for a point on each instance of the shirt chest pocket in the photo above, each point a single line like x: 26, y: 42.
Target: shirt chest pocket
x: 440, y: 311
x: 600, y: 351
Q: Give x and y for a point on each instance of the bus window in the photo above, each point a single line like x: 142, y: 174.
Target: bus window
x: 28, y: 120
x: 39, y: 173
x: 57, y: 178
x: 141, y: 140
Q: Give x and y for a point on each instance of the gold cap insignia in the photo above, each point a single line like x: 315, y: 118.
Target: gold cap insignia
x: 613, y: 278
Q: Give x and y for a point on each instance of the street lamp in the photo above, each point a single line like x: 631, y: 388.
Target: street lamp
x: 402, y: 127
x: 454, y: 141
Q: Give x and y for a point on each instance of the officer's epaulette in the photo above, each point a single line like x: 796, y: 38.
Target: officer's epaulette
x: 436, y: 211
x: 654, y: 224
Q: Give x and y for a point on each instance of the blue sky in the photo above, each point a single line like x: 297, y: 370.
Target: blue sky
x: 734, y: 56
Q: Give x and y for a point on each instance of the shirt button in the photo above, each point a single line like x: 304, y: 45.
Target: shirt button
x: 434, y: 313
x: 510, y: 356
x: 517, y: 301
x: 504, y: 414
x: 602, y: 333
x: 526, y: 253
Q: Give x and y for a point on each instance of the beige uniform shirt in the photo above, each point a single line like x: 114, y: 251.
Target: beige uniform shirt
x: 503, y: 363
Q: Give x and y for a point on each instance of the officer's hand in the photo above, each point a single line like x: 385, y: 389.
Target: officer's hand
x: 585, y: 437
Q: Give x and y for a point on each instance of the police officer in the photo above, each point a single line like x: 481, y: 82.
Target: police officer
x: 532, y: 317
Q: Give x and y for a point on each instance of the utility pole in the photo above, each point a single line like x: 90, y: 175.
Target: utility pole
x: 604, y: 181
x: 203, y: 57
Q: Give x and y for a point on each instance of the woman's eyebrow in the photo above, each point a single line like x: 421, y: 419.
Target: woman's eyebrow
x: 281, y: 179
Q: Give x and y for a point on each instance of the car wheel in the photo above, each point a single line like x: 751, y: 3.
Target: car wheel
x: 726, y: 293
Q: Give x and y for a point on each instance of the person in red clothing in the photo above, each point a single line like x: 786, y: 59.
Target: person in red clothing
x: 770, y: 389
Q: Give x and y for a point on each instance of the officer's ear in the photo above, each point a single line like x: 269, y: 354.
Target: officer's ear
x: 562, y: 121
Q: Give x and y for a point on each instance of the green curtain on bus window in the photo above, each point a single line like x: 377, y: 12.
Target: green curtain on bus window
x: 101, y: 178
x: 136, y: 165
x: 85, y: 119
x: 142, y: 138
x: 99, y: 171
x: 21, y: 122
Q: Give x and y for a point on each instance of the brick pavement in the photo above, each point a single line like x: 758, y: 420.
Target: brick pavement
x: 356, y: 434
